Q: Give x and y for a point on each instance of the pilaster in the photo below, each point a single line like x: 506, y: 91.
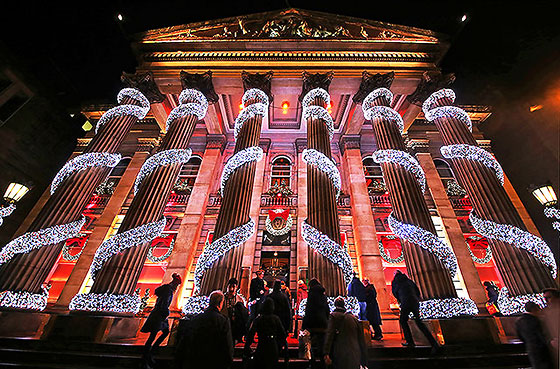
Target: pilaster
x: 302, y: 257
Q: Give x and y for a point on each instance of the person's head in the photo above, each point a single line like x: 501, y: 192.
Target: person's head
x: 277, y: 287
x: 531, y: 307
x: 339, y: 303
x: 300, y: 283
x: 365, y: 281
x: 176, y: 281
x: 260, y: 273
x: 551, y: 295
x: 232, y: 285
x: 489, y: 284
x: 314, y: 282
x: 267, y: 306
x: 216, y: 300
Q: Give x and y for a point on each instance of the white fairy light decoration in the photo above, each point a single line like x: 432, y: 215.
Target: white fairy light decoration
x: 324, y: 164
x: 219, y: 247
x: 336, y: 253
x: 318, y: 112
x: 403, y: 159
x: 251, y: 111
x: 167, y: 157
x: 255, y: 94
x: 25, y: 300
x: 6, y: 211
x: 139, y: 111
x: 190, y: 95
x: 476, y: 153
x: 548, y: 212
x: 432, y: 111
x: 350, y: 303
x: 516, y: 237
x: 516, y: 305
x: 278, y: 232
x: 386, y: 256
x: 84, y: 161
x: 106, y: 302
x: 159, y: 259
x: 247, y: 155
x: 447, y: 308
x: 427, y: 240
x: 385, y: 112
x: 369, y: 101
x: 309, y: 97
x: 43, y: 237
x: 195, y: 305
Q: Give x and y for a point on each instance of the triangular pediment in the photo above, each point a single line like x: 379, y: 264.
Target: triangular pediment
x: 289, y: 24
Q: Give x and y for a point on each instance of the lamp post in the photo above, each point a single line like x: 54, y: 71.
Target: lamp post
x: 547, y: 197
x: 13, y: 194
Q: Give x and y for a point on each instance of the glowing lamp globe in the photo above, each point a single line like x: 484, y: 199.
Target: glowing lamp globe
x: 15, y: 192
x: 545, y: 195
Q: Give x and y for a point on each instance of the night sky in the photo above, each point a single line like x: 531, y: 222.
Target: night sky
x: 507, y: 54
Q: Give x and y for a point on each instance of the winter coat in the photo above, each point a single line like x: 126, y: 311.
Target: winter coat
x: 405, y: 291
x: 282, y: 308
x: 157, y: 320
x: 372, y: 307
x: 357, y: 289
x: 345, y: 343
x: 271, y: 341
x: 238, y: 315
x: 257, y: 285
x: 316, y: 310
x: 530, y: 331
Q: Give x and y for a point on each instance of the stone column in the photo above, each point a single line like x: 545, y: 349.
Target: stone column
x: 72, y: 190
x: 480, y: 175
x: 118, y: 274
x: 453, y: 230
x: 222, y: 260
x: 302, y: 254
x: 367, y: 248
x: 405, y: 183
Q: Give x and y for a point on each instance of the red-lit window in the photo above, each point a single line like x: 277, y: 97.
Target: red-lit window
x: 281, y: 171
x: 374, y: 176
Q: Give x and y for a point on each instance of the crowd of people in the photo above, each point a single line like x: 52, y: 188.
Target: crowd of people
x: 336, y: 338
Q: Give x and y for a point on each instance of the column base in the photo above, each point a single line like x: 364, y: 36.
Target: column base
x: 22, y: 323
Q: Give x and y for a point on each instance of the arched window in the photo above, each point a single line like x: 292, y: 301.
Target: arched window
x: 443, y: 169
x: 188, y: 174
x: 374, y: 175
x: 281, y: 171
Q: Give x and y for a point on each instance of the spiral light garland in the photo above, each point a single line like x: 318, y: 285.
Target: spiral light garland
x: 426, y: 240
x: 372, y: 111
x: 195, y: 305
x: 432, y: 111
x: 476, y: 153
x: 251, y: 111
x: 350, y: 303
x: 159, y: 159
x: 403, y: 159
x: 106, y: 302
x: 548, y: 212
x: 336, y: 253
x: 84, y: 161
x: 516, y: 305
x: 25, y: 300
x: 516, y: 237
x: 313, y: 94
x: 318, y: 112
x: 5, y: 212
x: 247, y: 155
x: 324, y: 164
x: 126, y: 109
x: 447, y: 308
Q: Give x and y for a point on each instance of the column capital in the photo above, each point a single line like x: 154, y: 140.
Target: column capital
x: 201, y: 82
x: 430, y: 83
x: 216, y: 142
x: 264, y: 144
x: 144, y: 82
x: 349, y: 142
x: 315, y: 80
x: 300, y: 145
x: 262, y: 81
x: 371, y: 82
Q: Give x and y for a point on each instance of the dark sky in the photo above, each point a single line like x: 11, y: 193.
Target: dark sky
x: 506, y: 55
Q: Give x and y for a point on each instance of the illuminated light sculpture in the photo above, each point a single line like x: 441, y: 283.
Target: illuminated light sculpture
x: 106, y: 302
x: 387, y: 257
x: 278, y: 232
x: 432, y: 111
x: 195, y: 305
x: 192, y: 102
x: 548, y: 212
x: 159, y: 259
x: 350, y: 303
x: 516, y: 305
x: 5, y: 212
x: 255, y: 94
x: 194, y: 96
x: 487, y: 257
x: 159, y: 159
x: 470, y: 152
x: 324, y: 164
x: 251, y: 111
x: 84, y: 161
x: 219, y: 247
x: 127, y: 109
x: 249, y: 154
x: 368, y: 102
x: 43, y: 237
x: 318, y: 112
x: 403, y: 159
x: 122, y: 241
x: 385, y: 112
x: 25, y: 300
x: 447, y: 308
x: 516, y: 237
x: 336, y: 253
x: 313, y: 94
x: 426, y: 240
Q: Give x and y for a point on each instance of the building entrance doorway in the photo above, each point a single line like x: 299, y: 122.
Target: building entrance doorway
x: 276, y: 265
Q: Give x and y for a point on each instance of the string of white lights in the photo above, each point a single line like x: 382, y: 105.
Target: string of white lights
x: 403, y: 159
x: 447, y: 308
x: 336, y: 253
x: 249, y: 154
x: 278, y: 232
x: 387, y: 257
x: 432, y: 101
x: 427, y: 240
x: 318, y: 112
x: 139, y: 111
x: 162, y: 158
x: 309, y: 97
x: 548, y: 212
x: 385, y: 112
x: 248, y: 112
x: 195, y: 305
x: 255, y: 94
x: 350, y: 303
x: 106, y: 302
x: 516, y: 237
x: 84, y: 161
x: 25, y: 300
x: 219, y: 247
x: 125, y: 240
x: 476, y: 153
x: 516, y: 305
x: 6, y: 211
x: 324, y: 164
x: 190, y: 95
x: 369, y: 101
x: 159, y: 259
x: 432, y: 111
x: 34, y: 240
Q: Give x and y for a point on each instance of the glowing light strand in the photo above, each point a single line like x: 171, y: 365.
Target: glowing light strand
x: 309, y: 97
x: 251, y: 111
x: 369, y: 101
x: 385, y: 112
x: 425, y: 239
x: 84, y: 161
x: 318, y: 112
x: 350, y: 303
x: 159, y: 259
x: 189, y: 95
x: 476, y: 153
x: 432, y: 111
x: 247, y: 155
x: 386, y: 256
x: 6, y: 211
x: 447, y: 308
x: 195, y: 305
x: 548, y: 212
x: 139, y: 111
x: 278, y: 232
x: 336, y: 253
x: 167, y: 157
x: 25, y: 300
x: 516, y: 237
x: 219, y: 247
x: 403, y: 159
x: 125, y: 240
x: 106, y: 302
x: 43, y: 237
x: 516, y: 305
x: 324, y: 164
x: 255, y: 94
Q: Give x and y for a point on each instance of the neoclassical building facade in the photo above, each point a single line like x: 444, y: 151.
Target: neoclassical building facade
x: 301, y: 143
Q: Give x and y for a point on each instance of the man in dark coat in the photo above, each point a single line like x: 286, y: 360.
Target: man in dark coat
x: 356, y: 289
x: 210, y: 344
x: 372, y: 310
x: 408, y: 296
x: 157, y: 320
x: 257, y: 291
x: 530, y: 331
x: 316, y: 320
x: 281, y: 305
x: 234, y: 309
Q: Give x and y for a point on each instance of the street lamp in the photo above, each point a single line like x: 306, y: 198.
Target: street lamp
x: 547, y: 197
x: 13, y: 194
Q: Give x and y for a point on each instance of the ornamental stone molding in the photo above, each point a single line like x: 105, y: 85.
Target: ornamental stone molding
x: 300, y: 145
x: 264, y: 144
x: 201, y: 82
x: 144, y: 82
x: 315, y: 80
x: 430, y: 83
x: 216, y: 142
x: 372, y: 82
x: 349, y: 142
x: 261, y: 81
